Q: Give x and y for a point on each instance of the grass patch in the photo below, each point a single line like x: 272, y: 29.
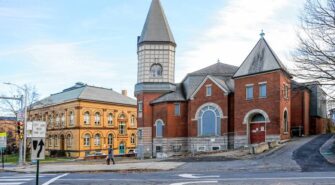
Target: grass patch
x: 14, y: 158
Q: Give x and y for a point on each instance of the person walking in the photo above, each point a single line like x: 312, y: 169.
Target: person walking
x: 110, y: 155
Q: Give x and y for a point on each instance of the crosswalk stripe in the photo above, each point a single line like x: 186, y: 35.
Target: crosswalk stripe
x: 8, y: 180
x: 11, y: 177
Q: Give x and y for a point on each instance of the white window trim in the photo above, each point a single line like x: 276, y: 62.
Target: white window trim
x: 140, y: 108
x: 179, y: 113
x: 209, y: 86
x: 163, y: 124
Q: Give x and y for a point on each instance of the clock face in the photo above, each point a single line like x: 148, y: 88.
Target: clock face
x: 156, y: 70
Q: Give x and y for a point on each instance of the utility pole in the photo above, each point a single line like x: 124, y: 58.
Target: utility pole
x: 21, y: 143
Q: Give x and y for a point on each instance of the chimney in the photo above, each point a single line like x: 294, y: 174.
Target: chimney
x: 124, y: 92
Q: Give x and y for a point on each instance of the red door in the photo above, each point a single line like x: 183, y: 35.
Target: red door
x: 257, y: 133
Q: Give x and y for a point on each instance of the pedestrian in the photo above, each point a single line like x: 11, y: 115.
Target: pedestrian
x: 110, y: 155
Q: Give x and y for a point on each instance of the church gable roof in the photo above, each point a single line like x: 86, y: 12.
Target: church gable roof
x: 156, y: 27
x: 217, y: 69
x: 220, y: 83
x: 261, y: 59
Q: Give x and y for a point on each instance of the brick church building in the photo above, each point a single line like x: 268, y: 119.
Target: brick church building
x: 218, y: 107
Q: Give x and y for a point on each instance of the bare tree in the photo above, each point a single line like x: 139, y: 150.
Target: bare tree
x: 13, y: 106
x: 315, y: 55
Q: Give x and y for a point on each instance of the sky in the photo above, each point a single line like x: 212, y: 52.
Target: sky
x: 54, y: 44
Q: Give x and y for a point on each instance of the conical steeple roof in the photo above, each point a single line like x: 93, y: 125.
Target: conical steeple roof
x: 261, y: 59
x: 156, y: 27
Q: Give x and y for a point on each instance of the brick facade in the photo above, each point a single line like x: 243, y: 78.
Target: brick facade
x: 214, y: 111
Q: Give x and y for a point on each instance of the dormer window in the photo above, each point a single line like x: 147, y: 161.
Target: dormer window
x: 156, y: 70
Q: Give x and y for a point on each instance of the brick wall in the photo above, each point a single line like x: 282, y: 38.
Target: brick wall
x: 300, y: 102
x: 274, y: 104
x: 218, y: 97
x: 175, y: 126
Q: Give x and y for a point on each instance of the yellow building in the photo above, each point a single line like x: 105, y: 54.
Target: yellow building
x: 85, y: 120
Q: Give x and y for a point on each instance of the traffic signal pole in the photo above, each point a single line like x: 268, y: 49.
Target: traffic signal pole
x: 21, y: 147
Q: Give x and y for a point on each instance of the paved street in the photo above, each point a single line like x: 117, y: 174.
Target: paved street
x: 287, y: 165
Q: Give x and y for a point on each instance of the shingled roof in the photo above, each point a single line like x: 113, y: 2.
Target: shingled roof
x: 217, y: 69
x: 82, y: 91
x: 261, y: 59
x: 174, y: 96
x: 156, y: 27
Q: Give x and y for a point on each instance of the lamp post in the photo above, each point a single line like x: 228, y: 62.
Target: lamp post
x: 25, y: 118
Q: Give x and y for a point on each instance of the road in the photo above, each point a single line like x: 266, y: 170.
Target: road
x: 297, y: 162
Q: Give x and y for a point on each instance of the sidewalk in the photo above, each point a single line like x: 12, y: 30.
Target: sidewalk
x: 68, y: 168
x: 327, y: 150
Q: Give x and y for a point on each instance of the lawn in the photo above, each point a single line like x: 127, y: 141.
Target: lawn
x: 15, y: 157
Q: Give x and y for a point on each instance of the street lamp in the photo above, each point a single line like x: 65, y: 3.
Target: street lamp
x: 25, y: 117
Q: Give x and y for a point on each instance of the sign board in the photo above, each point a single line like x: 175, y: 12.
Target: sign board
x: 3, y: 140
x: 29, y: 129
x: 20, y: 115
x: 36, y: 129
x: 37, y: 149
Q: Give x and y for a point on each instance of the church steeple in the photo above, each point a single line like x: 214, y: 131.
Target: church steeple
x: 156, y: 49
x: 156, y: 27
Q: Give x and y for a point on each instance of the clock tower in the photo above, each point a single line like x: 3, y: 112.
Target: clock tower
x: 156, y: 49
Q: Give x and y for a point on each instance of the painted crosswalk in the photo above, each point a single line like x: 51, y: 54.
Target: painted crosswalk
x: 17, y: 179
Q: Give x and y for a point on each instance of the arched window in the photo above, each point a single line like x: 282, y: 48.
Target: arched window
x: 159, y: 128
x: 87, y: 118
x: 97, y: 140
x: 122, y: 116
x: 110, y: 119
x: 132, y: 139
x: 209, y: 121
x: 69, y: 140
x: 50, y: 140
x: 55, y: 140
x: 122, y: 128
x: 63, y: 119
x: 71, y: 118
x: 257, y: 118
x: 110, y: 140
x: 50, y: 121
x: 87, y: 138
x: 285, y: 121
x: 97, y: 118
x: 156, y: 70
x: 132, y: 121
x: 57, y: 120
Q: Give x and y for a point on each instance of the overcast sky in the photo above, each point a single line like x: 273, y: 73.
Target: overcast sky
x: 53, y: 44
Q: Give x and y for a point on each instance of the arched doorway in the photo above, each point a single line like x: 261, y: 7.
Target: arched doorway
x: 256, y: 126
x: 257, y: 129
x: 122, y: 148
x: 62, y: 143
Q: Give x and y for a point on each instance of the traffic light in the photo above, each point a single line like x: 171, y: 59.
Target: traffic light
x: 19, y: 129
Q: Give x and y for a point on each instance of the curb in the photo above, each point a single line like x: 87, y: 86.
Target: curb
x: 91, y: 171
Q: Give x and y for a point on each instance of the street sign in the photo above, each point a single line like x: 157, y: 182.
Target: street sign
x: 37, y: 149
x: 36, y: 129
x: 20, y: 115
x: 29, y: 129
x: 3, y: 140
